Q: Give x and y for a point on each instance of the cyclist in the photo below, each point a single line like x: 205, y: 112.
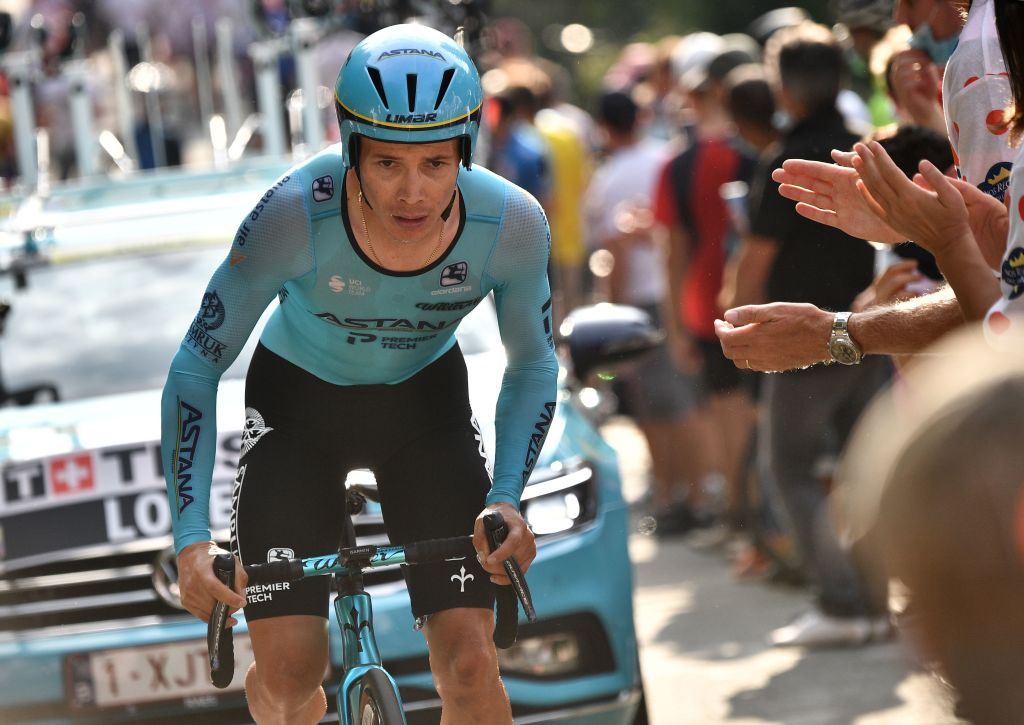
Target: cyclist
x: 376, y: 248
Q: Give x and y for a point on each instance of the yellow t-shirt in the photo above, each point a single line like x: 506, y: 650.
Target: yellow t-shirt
x: 570, y: 171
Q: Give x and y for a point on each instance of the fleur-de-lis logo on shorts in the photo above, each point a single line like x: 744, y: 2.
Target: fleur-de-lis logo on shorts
x: 462, y: 577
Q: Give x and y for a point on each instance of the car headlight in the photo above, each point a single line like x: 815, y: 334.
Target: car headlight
x: 546, y: 656
x: 559, y: 648
x: 561, y: 501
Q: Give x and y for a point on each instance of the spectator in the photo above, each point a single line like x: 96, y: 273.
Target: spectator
x: 932, y: 476
x: 695, y: 226
x: 660, y: 398
x: 517, y: 150
x: 751, y: 106
x: 939, y: 217
x: 786, y: 257
x: 785, y: 336
x: 863, y: 25
x: 570, y: 170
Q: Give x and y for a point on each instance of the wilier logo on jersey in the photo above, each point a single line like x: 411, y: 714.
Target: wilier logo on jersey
x: 323, y: 188
x: 454, y: 274
x: 211, y: 316
x: 255, y: 428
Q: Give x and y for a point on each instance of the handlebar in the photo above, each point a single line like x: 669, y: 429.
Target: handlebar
x: 219, y: 639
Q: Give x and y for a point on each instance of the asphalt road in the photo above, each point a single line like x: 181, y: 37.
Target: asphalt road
x: 703, y: 651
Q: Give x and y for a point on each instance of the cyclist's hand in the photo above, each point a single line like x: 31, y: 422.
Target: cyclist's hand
x: 519, y: 543
x: 200, y: 587
x: 827, y: 194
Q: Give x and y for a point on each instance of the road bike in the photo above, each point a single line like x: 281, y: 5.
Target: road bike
x: 367, y: 693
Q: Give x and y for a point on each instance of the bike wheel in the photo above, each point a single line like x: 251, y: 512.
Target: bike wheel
x: 378, y: 702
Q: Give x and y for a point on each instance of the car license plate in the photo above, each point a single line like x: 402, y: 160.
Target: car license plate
x: 138, y: 675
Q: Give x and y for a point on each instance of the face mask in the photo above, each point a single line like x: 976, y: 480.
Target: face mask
x: 924, y: 39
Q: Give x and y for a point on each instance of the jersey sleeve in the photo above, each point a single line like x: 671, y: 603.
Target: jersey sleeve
x: 272, y: 244
x: 526, y: 404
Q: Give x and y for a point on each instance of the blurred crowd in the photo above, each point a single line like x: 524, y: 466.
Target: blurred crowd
x: 743, y: 189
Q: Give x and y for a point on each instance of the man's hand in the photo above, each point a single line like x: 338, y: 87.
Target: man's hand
x: 519, y: 543
x: 827, y: 194
x: 775, y: 337
x: 200, y: 587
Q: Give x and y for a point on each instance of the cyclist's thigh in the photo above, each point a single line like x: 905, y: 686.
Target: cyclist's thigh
x: 288, y: 499
x: 434, y: 488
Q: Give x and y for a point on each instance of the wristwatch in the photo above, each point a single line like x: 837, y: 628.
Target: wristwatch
x: 841, y: 346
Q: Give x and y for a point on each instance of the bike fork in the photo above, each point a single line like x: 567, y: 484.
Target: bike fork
x: 359, y: 652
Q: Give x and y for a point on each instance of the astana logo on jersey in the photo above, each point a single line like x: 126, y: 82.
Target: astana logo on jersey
x: 255, y: 428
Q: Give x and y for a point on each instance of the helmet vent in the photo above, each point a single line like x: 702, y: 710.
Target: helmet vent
x: 378, y: 84
x: 446, y: 80
x: 410, y: 88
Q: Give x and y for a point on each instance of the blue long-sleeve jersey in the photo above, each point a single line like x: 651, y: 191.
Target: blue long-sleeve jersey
x: 350, y: 322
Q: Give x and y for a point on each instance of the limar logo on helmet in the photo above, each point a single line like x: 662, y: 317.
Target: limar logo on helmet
x: 410, y: 51
x: 411, y: 118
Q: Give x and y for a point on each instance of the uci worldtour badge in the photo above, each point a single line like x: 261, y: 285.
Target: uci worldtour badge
x: 1012, y: 272
x: 323, y: 188
x: 454, y: 274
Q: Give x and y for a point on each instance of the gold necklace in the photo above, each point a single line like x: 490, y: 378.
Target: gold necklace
x: 369, y: 244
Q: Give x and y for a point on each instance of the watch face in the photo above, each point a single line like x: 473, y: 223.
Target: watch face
x: 843, y: 351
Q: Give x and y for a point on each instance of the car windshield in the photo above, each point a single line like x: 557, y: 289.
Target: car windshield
x: 112, y: 325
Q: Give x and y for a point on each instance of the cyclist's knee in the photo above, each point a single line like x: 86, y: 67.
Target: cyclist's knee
x: 279, y: 701
x: 291, y: 678
x: 466, y: 663
x: 291, y: 658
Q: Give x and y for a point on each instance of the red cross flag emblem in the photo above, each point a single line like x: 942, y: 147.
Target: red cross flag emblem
x: 71, y: 474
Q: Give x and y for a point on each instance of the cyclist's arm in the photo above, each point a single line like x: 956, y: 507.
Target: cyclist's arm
x: 526, y: 403
x: 271, y: 246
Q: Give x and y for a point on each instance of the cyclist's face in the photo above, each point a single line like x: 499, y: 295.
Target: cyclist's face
x: 409, y: 185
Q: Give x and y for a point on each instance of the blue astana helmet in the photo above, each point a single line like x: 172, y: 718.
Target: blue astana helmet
x: 408, y: 84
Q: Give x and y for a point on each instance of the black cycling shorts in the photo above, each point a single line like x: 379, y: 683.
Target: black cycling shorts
x: 303, y: 435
